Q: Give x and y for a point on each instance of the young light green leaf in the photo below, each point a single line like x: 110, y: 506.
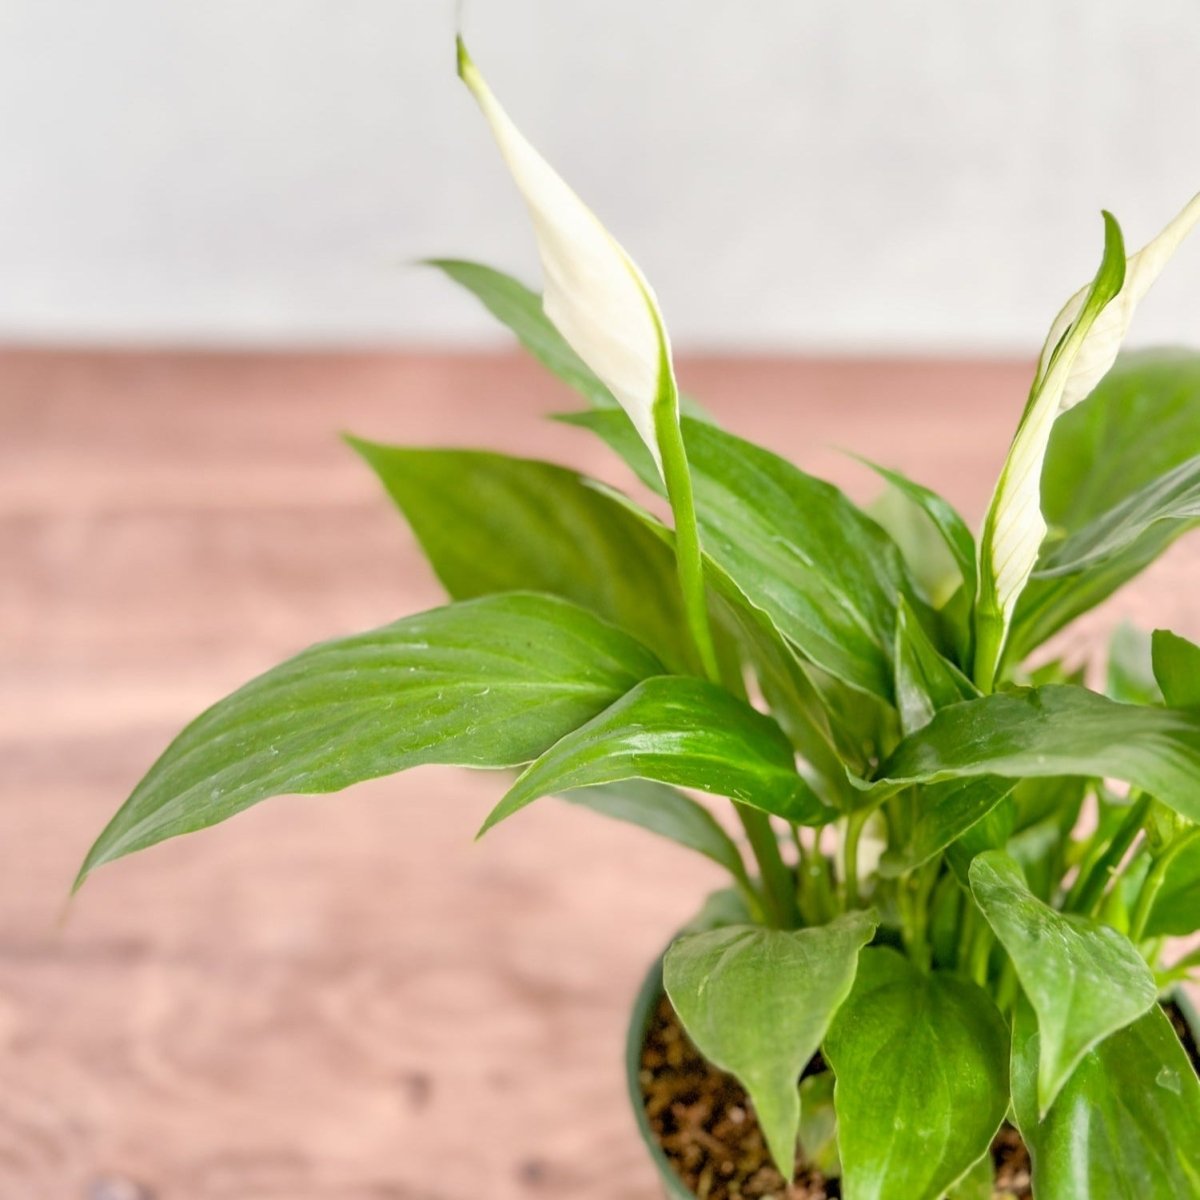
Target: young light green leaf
x: 520, y: 308
x: 681, y: 731
x: 818, y: 1124
x: 922, y: 1080
x: 594, y: 295
x: 1126, y: 1126
x: 490, y: 523
x: 485, y: 683
x: 1013, y: 528
x: 1176, y: 664
x: 758, y: 1002
x: 1055, y: 730
x: 668, y: 813
x: 1084, y: 980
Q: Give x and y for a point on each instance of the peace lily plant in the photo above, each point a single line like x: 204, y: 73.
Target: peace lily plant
x: 923, y: 904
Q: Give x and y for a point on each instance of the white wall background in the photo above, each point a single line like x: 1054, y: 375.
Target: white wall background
x: 792, y: 174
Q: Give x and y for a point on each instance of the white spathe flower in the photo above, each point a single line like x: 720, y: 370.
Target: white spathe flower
x: 1082, y: 346
x: 593, y: 293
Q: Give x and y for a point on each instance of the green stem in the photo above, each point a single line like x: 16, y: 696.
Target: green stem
x: 1153, y: 882
x: 1089, y: 887
x: 1006, y: 989
x: 981, y: 951
x: 989, y: 644
x: 779, y: 889
x: 687, y: 538
x: 854, y: 827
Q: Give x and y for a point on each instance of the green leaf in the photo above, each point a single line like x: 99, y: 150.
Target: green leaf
x: 520, y: 308
x: 1176, y: 665
x: 666, y: 812
x: 948, y: 525
x: 1173, y: 497
x: 485, y: 683
x: 758, y: 1002
x: 818, y: 1124
x: 925, y: 681
x: 1130, y: 669
x: 490, y: 523
x: 1084, y: 980
x: 799, y: 551
x: 681, y: 731
x: 947, y: 813
x: 1055, y: 730
x: 616, y: 431
x: 1127, y: 1124
x: 1176, y: 910
x: 1142, y: 421
x: 979, y: 1183
x: 922, y: 1079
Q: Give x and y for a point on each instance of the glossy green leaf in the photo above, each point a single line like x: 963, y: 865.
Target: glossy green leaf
x: 979, y: 1183
x: 798, y: 550
x: 490, y: 523
x: 485, y: 683
x: 922, y: 1079
x: 520, y: 308
x: 758, y: 1002
x: 1055, y: 730
x: 1176, y: 666
x: 664, y: 811
x: 925, y: 681
x: 1130, y: 668
x: 1127, y: 1124
x: 1142, y: 421
x: 617, y: 432
x: 947, y: 812
x: 680, y: 731
x: 1173, y: 497
x: 1084, y: 980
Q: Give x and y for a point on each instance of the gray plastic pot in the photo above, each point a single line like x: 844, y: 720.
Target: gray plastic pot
x: 639, y: 1022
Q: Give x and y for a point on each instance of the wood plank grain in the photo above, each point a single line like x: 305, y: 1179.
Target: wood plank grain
x: 340, y: 996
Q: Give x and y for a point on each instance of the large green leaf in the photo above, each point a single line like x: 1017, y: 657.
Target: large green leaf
x: 1084, y: 980
x: 758, y: 1002
x: 484, y: 683
x: 925, y: 681
x: 1176, y: 665
x: 667, y: 812
x: 1140, y: 422
x: 922, y: 1079
x: 681, y: 731
x: 1055, y: 730
x: 1127, y: 1124
x: 491, y: 523
x: 1173, y: 497
x: 520, y: 308
x: 798, y: 550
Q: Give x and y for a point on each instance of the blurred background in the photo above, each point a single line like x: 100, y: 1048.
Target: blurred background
x: 813, y: 176
x: 860, y: 219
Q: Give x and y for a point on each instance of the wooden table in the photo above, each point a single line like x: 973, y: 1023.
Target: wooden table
x: 338, y: 997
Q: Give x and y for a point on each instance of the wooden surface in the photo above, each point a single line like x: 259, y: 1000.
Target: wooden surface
x: 338, y: 997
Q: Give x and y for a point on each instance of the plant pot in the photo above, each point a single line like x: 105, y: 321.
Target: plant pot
x: 644, y: 1005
